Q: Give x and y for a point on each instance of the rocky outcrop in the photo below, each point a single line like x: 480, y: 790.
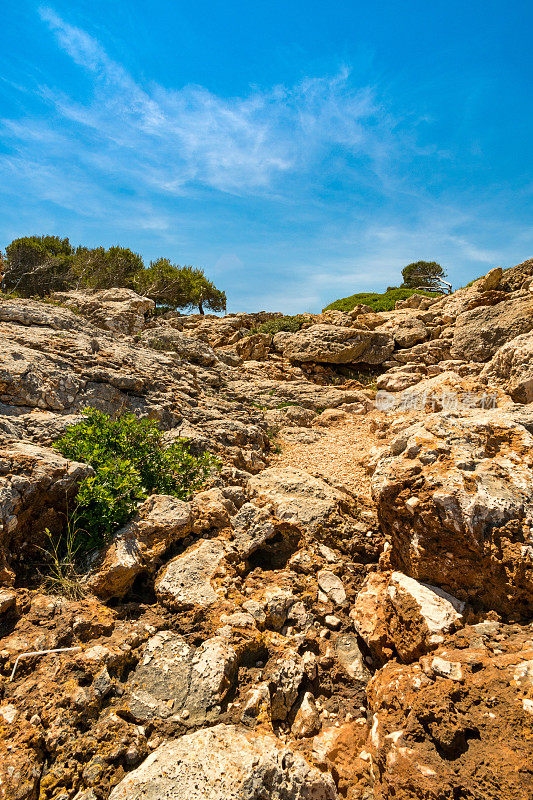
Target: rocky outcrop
x: 479, y: 333
x: 164, y: 337
x: 116, y: 310
x: 455, y: 496
x: 138, y: 547
x: 36, y: 485
x: 176, y: 682
x: 513, y: 365
x: 186, y: 581
x: 221, y: 763
x: 398, y: 616
x: 343, y: 611
x: 332, y: 344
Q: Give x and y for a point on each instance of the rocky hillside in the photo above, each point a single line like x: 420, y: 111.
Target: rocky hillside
x: 344, y: 612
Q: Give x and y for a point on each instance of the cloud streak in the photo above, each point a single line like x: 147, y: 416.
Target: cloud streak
x: 292, y: 194
x: 172, y: 140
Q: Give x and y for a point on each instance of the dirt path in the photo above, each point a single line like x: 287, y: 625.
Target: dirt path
x: 340, y: 456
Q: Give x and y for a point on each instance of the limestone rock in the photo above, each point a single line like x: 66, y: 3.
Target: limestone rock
x: 397, y: 615
x: 36, y: 485
x: 480, y: 332
x: 455, y: 496
x: 462, y: 723
x: 176, y: 680
x: 307, y: 720
x: 225, y: 762
x: 332, y: 587
x: 350, y: 657
x: 335, y: 345
x: 285, y: 682
x: 297, y: 497
x: 513, y: 363
x: 163, y: 337
x: 139, y: 545
x: 118, y: 310
x: 185, y: 582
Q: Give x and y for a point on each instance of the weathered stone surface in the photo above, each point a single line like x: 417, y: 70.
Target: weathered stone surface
x: 332, y: 586
x: 285, y: 682
x: 118, y: 310
x: 36, y: 484
x: 175, y: 680
x: 434, y: 733
x: 164, y: 337
x: 185, y: 582
x: 456, y: 500
x: 225, y: 762
x: 515, y: 277
x: 351, y: 658
x: 139, y: 545
x: 297, y: 497
x: 307, y: 720
x: 305, y: 393
x: 513, y: 363
x: 335, y: 345
x: 398, y: 616
x: 480, y: 332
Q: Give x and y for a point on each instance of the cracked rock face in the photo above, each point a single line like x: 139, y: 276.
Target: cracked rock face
x: 225, y: 763
x: 457, y: 503
x: 174, y: 680
x: 335, y: 345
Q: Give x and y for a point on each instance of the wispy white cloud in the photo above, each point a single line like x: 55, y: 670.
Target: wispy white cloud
x: 169, y: 139
x: 293, y: 194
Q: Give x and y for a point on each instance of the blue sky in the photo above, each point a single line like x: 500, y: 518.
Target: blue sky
x: 298, y: 151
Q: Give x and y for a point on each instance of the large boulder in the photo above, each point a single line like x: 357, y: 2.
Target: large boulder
x: 513, y: 364
x: 480, y: 332
x: 164, y: 337
x: 296, y: 497
x: 315, y: 507
x: 225, y: 762
x: 186, y: 582
x: 397, y: 615
x: 455, y: 498
x: 332, y: 344
x: 139, y: 545
x: 36, y: 485
x: 118, y: 310
x: 179, y: 681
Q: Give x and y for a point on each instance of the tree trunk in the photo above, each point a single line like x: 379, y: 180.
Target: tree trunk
x: 201, y: 308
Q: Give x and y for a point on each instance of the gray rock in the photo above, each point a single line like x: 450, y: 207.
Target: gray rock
x: 253, y: 527
x: 332, y: 344
x: 332, y: 586
x: 479, y: 333
x: 163, y: 337
x: 350, y: 657
x: 175, y: 680
x: 226, y: 762
x: 185, y: 582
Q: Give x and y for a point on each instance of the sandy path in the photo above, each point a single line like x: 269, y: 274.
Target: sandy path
x: 340, y: 456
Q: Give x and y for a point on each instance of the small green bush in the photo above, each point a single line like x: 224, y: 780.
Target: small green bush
x: 384, y: 301
x: 285, y: 323
x: 130, y: 462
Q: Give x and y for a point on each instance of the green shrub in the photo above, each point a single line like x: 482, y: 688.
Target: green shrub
x: 130, y: 462
x: 384, y: 301
x: 285, y: 323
